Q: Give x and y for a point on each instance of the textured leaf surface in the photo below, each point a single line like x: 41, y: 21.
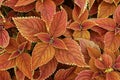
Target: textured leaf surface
x: 59, y: 24
x: 105, y: 9
x: 42, y: 54
x: 72, y: 56
x: 117, y: 15
x: 23, y: 2
x: 19, y: 74
x: 58, y: 2
x: 112, y: 76
x: 28, y: 26
x: 112, y: 41
x: 47, y: 9
x: 48, y: 69
x: 4, y: 75
x: 65, y: 74
x: 4, y: 38
x: 23, y: 63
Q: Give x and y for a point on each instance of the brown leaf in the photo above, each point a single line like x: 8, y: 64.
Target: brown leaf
x: 23, y: 62
x: 59, y: 24
x: 42, y: 54
x: 72, y: 56
x: 29, y: 26
x: 4, y: 75
x: 48, y: 69
x: 105, y: 9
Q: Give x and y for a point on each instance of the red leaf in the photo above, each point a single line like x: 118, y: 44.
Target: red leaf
x: 112, y: 76
x: 82, y: 4
x: 23, y: 2
x: 4, y: 38
x: 106, y: 23
x: 105, y: 9
x: 42, y: 54
x: 48, y: 69
x: 59, y: 24
x: 117, y: 15
x: 85, y: 75
x: 58, y: 2
x: 5, y: 63
x: 71, y: 56
x: 23, y: 62
x: 45, y: 37
x: 4, y: 75
x: 112, y: 41
x: 29, y: 26
x: 75, y: 26
x: 117, y: 63
x: 58, y: 43
x: 19, y: 74
x: 12, y: 3
x: 67, y: 74
x: 47, y: 9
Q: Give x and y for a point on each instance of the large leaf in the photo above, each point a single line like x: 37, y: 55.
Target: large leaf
x: 106, y: 23
x: 59, y: 24
x: 23, y: 2
x: 42, y: 54
x: 48, y: 69
x: 117, y: 15
x: 47, y: 9
x: 105, y: 9
x: 112, y: 41
x: 6, y: 64
x: 4, y: 38
x: 4, y: 75
x: 72, y: 56
x: 28, y: 26
x: 19, y: 74
x: 67, y: 74
x: 23, y: 62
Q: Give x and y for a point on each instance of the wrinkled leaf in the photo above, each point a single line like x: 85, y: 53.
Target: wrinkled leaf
x: 4, y: 75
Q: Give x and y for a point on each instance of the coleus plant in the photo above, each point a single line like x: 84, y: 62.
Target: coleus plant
x: 59, y: 40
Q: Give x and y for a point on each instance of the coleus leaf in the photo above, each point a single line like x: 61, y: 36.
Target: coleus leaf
x: 59, y: 24
x: 117, y: 63
x: 112, y: 76
x: 1, y: 1
x: 116, y: 2
x: 28, y: 26
x: 42, y: 54
x: 85, y: 75
x: 71, y: 56
x: 4, y: 38
x: 91, y: 2
x: 116, y: 15
x: 58, y: 2
x: 65, y: 74
x: 19, y: 75
x: 112, y: 41
x: 105, y: 9
x: 5, y: 63
x: 4, y: 75
x: 106, y: 23
x: 48, y: 69
x: 12, y: 3
x: 23, y: 2
x: 47, y: 9
x: 23, y: 62
x: 108, y: 1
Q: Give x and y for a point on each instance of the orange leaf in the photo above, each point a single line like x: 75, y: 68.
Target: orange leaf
x: 19, y: 74
x: 48, y: 69
x: 106, y: 23
x: 116, y: 2
x: 4, y: 38
x: 45, y: 37
x: 12, y: 3
x: 75, y: 26
x: 42, y: 54
x: 29, y: 26
x: 84, y: 75
x: 5, y: 63
x: 59, y: 24
x: 112, y: 41
x: 72, y: 56
x: 23, y: 62
x: 67, y: 74
x: 47, y: 9
x: 116, y: 15
x: 58, y: 43
x: 105, y: 9
x: 82, y: 4
x: 4, y: 75
x: 112, y: 76
x: 23, y: 2
x: 108, y: 1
